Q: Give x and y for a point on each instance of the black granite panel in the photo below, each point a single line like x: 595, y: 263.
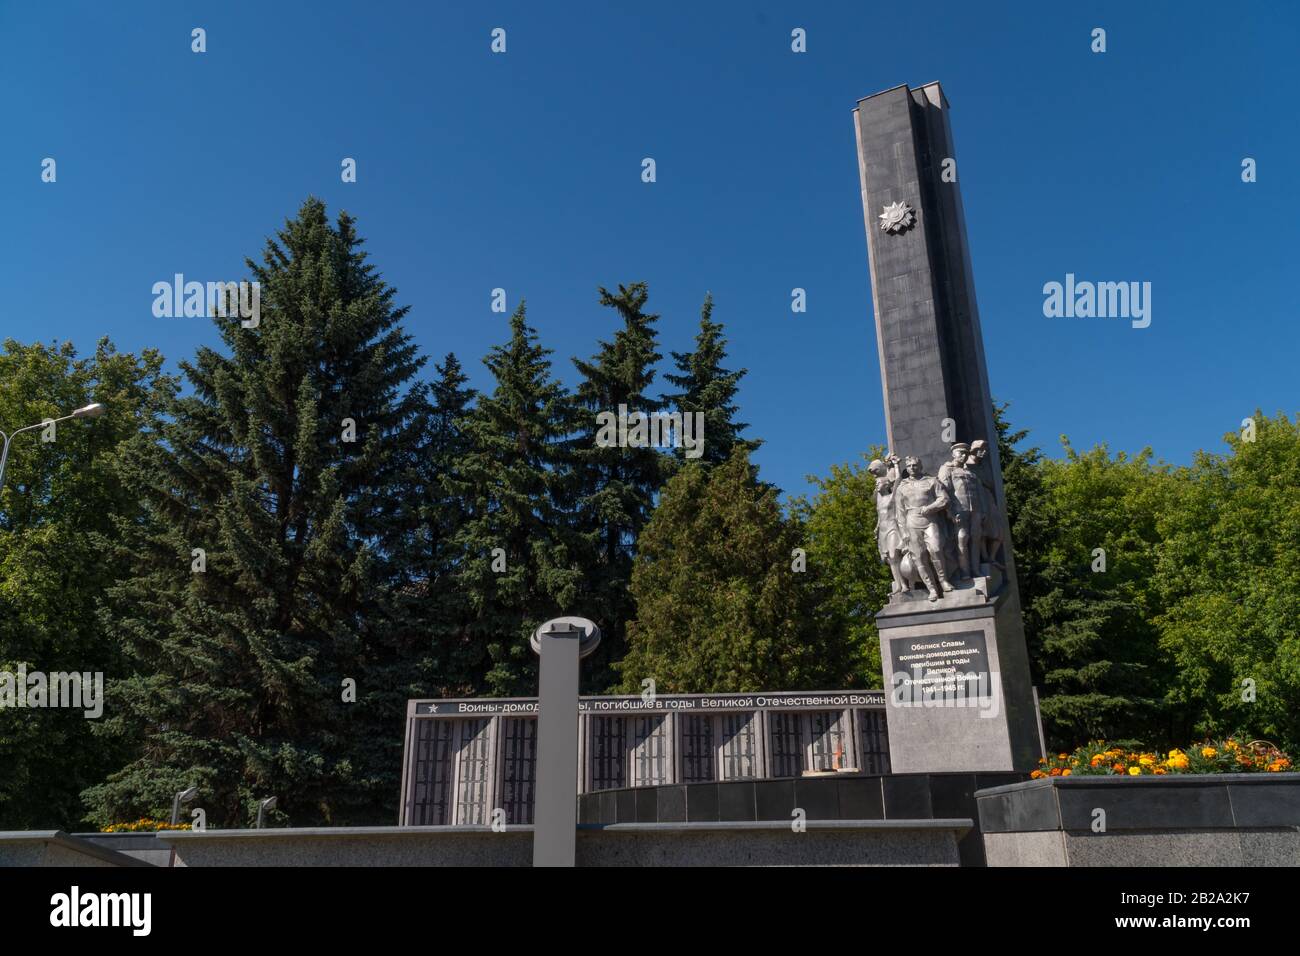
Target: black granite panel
x: 671, y: 804
x: 702, y: 802
x: 736, y: 801
x: 818, y: 797
x: 774, y: 799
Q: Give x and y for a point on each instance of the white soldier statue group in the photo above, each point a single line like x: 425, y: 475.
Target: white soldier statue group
x: 935, y: 530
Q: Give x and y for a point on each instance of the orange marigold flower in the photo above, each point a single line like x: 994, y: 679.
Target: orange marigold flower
x: 1208, y: 752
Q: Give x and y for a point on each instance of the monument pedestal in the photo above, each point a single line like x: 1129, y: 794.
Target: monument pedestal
x: 957, y: 685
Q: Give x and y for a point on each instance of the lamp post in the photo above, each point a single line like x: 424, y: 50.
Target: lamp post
x: 560, y: 644
x: 267, y: 804
x: 182, y: 796
x: 89, y: 411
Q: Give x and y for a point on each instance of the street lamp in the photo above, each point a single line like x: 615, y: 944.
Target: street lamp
x: 184, y: 796
x: 93, y: 410
x: 267, y: 804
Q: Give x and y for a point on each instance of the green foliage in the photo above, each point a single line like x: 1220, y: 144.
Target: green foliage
x: 432, y: 656
x: 1229, y: 579
x: 719, y: 606
x: 55, y: 521
x: 516, y: 481
x: 706, y: 387
x: 839, y: 524
x: 1097, y: 647
x: 615, y: 487
x: 239, y: 670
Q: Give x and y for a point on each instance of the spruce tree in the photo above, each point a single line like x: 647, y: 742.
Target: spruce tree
x: 261, y: 570
x: 616, y: 486
x: 705, y: 386
x: 520, y: 555
x: 722, y: 602
x: 434, y: 659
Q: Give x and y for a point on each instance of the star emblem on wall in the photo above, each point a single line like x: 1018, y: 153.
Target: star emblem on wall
x: 897, y: 217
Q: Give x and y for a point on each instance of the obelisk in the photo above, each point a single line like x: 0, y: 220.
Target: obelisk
x: 956, y: 667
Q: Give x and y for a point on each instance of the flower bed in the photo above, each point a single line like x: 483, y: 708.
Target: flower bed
x: 143, y: 825
x: 1228, y: 755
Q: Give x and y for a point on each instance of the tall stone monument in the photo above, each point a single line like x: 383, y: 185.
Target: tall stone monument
x: 951, y: 637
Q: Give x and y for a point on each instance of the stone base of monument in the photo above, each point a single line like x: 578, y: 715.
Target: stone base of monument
x: 922, y: 802
x: 957, y: 683
x: 1175, y: 820
x: 970, y: 592
x: 932, y: 842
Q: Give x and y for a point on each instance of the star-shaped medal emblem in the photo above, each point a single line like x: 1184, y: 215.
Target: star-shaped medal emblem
x: 897, y: 217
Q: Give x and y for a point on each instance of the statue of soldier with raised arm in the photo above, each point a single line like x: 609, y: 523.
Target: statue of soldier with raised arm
x: 966, y: 507
x: 889, y: 538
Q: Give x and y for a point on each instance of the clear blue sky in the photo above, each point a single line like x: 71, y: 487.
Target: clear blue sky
x: 523, y: 171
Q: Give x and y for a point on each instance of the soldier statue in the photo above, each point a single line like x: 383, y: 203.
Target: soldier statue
x: 989, y: 540
x: 888, y: 538
x: 966, y: 508
x: 921, y: 501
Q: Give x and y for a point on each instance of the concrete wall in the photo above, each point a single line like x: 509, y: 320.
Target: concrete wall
x: 56, y: 848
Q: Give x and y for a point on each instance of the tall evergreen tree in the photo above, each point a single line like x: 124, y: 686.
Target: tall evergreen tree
x: 705, y: 386
x: 435, y: 658
x: 260, y: 572
x: 521, y: 557
x: 616, y: 486
x: 721, y: 603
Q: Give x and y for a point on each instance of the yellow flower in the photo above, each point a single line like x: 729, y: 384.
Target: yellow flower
x: 1134, y: 771
x: 1208, y: 751
x: 1065, y: 772
x: 1146, y: 760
